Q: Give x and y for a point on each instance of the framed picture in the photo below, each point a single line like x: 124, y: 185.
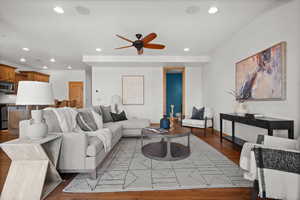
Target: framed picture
x: 133, y: 89
x: 263, y: 75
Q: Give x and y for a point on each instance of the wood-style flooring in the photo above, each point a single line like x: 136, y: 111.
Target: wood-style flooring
x: 229, y: 150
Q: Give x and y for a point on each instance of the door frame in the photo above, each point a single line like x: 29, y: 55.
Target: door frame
x: 166, y: 69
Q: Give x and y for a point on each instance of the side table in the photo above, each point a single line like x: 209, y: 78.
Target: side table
x: 32, y: 173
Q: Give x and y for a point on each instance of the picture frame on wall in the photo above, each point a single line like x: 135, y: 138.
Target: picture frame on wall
x: 133, y: 90
x: 262, y: 77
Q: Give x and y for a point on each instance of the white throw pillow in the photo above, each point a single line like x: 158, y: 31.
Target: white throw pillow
x: 98, y: 120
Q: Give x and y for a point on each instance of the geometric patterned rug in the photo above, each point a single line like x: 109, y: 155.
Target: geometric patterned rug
x: 127, y: 169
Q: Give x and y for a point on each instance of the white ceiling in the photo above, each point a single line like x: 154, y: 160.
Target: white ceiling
x: 68, y: 37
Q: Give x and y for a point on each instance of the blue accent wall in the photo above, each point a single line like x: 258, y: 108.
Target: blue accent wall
x: 174, y: 92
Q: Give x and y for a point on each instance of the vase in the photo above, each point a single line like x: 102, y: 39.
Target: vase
x: 240, y: 108
x: 37, y: 127
x: 165, y: 122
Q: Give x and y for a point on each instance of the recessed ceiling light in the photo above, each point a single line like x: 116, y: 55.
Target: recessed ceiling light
x: 25, y: 49
x: 69, y: 67
x: 213, y: 10
x: 58, y: 10
x: 192, y: 9
x: 186, y: 49
x: 52, y: 60
x: 45, y: 67
x: 98, y: 49
x: 23, y: 60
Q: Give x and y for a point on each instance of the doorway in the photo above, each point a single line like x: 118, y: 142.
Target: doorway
x: 174, y: 90
x: 76, y: 93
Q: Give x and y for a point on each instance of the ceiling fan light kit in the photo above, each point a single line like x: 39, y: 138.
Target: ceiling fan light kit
x: 142, y: 42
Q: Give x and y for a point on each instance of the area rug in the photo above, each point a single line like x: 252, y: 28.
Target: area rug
x: 127, y: 169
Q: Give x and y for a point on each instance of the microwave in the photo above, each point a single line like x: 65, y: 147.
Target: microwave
x: 6, y: 87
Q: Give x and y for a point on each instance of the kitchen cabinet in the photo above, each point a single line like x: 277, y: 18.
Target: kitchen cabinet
x: 7, y: 73
x: 35, y: 76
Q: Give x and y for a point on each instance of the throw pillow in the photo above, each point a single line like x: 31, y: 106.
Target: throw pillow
x: 106, y: 110
x: 198, y: 113
x: 86, y: 121
x: 119, y: 117
x: 98, y: 120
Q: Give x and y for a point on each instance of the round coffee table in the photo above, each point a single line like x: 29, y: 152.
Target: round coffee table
x: 165, y: 149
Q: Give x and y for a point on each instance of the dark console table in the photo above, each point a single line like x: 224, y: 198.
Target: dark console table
x: 262, y: 122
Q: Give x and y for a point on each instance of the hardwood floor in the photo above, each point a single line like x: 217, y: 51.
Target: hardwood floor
x: 232, y: 152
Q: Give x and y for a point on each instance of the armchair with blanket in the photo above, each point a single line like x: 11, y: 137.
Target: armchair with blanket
x: 274, y: 166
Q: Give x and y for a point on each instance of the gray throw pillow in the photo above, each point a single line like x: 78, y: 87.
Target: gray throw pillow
x: 86, y: 121
x: 52, y: 121
x: 106, y: 110
x: 198, y: 113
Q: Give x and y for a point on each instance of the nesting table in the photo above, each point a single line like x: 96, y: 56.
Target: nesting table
x: 32, y: 173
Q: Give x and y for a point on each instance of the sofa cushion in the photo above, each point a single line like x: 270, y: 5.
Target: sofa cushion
x: 134, y: 123
x: 196, y: 123
x: 106, y: 110
x: 52, y: 121
x: 98, y: 119
x: 94, y: 146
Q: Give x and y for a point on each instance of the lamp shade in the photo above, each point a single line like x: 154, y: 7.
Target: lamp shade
x: 34, y: 93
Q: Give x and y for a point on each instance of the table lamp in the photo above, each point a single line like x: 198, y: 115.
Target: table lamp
x: 35, y: 93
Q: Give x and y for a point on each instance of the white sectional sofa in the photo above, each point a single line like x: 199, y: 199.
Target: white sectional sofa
x: 81, y: 153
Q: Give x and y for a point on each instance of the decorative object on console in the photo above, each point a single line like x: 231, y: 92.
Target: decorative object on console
x: 165, y: 122
x: 119, y: 117
x: 262, y: 76
x: 133, y: 89
x: 35, y: 93
x: 240, y: 107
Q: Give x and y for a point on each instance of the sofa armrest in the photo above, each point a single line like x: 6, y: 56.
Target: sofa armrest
x: 73, y: 151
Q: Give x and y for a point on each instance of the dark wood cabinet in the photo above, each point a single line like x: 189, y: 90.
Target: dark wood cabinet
x: 7, y: 73
x: 35, y: 76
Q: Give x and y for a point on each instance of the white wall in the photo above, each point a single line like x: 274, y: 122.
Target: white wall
x: 279, y: 24
x: 88, y: 87
x: 60, y: 80
x: 107, y: 80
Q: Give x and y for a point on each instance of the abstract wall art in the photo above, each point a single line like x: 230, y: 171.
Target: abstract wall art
x: 262, y: 76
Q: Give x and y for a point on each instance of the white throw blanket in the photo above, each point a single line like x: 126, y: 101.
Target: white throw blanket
x: 105, y: 136
x: 247, y: 161
x: 66, y: 117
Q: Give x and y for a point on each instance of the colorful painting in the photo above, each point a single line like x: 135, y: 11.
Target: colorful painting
x: 262, y: 76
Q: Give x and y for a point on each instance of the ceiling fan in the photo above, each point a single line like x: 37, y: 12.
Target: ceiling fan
x: 142, y: 42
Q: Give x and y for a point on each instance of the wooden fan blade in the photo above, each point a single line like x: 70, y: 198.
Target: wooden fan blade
x: 124, y: 38
x: 141, y: 51
x: 124, y: 47
x: 149, y: 38
x: 154, y: 46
